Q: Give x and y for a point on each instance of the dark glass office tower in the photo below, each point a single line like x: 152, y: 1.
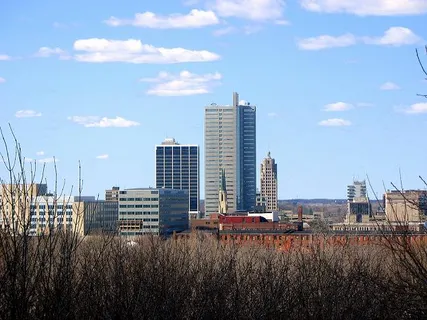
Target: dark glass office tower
x: 177, y: 167
x: 246, y: 156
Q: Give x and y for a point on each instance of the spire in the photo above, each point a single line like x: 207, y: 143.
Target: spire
x: 223, y: 186
x: 222, y: 195
x: 268, y: 154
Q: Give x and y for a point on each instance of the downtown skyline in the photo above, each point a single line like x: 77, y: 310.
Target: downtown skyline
x: 335, y: 87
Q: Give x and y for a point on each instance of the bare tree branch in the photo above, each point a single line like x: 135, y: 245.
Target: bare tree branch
x: 420, y: 62
x: 422, y: 68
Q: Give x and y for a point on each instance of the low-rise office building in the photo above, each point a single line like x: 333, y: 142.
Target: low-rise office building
x: 145, y: 211
x: 52, y: 214
x: 100, y: 216
x: 32, y: 210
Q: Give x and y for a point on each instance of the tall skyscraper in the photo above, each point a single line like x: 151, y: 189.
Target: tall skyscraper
x: 230, y: 145
x: 269, y: 183
x: 177, y: 167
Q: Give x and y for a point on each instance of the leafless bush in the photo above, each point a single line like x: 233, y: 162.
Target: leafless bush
x: 404, y: 240
x: 61, y: 275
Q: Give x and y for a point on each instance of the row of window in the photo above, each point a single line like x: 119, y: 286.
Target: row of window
x: 58, y: 214
x: 43, y: 220
x: 152, y: 192
x: 138, y: 199
x: 139, y: 206
x: 51, y: 207
x: 144, y: 219
x: 139, y: 213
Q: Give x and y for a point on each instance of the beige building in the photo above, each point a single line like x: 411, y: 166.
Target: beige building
x: 407, y: 206
x: 269, y: 183
x: 50, y: 213
x: 15, y: 201
x: 29, y: 209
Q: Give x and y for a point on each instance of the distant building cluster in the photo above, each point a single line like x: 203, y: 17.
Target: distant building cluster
x: 404, y: 209
x: 230, y: 187
x: 232, y: 203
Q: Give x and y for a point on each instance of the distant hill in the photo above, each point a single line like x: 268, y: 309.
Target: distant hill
x: 304, y: 201
x: 313, y: 201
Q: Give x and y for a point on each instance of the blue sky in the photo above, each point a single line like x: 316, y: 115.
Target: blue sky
x: 334, y: 81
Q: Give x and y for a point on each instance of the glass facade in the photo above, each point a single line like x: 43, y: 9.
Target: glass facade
x: 220, y: 153
x: 230, y: 144
x: 150, y: 211
x: 100, y: 217
x: 247, y: 157
x: 177, y: 167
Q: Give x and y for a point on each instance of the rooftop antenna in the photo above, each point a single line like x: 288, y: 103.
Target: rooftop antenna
x: 235, y: 99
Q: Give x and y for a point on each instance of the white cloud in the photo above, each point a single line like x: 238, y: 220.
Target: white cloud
x: 367, y: 7
x: 2, y: 80
x: 389, y: 86
x: 251, y: 29
x: 417, y: 108
x: 257, y: 10
x: 134, y: 51
x: 326, y: 41
x: 272, y: 114
x: 40, y: 153
x: 102, y: 156
x: 28, y: 160
x: 27, y: 114
x: 224, y: 31
x: 48, y: 160
x: 46, y: 52
x: 194, y: 19
x: 183, y: 84
x: 248, y: 30
x: 4, y: 57
x: 394, y: 36
x: 338, y: 106
x: 190, y: 2
x: 98, y: 122
x: 334, y: 123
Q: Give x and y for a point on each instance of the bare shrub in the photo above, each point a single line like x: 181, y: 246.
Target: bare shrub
x: 63, y: 275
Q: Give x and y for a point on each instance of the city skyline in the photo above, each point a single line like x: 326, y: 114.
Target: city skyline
x: 335, y: 85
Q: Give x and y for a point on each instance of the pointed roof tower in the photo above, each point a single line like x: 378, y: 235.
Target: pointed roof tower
x: 223, y: 185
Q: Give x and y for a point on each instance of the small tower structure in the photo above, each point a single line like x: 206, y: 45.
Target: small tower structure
x: 222, y: 201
